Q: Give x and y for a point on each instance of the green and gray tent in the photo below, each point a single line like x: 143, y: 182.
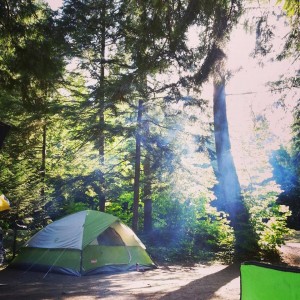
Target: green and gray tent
x: 84, y: 243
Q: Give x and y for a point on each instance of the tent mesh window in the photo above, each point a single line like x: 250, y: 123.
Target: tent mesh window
x: 110, y: 237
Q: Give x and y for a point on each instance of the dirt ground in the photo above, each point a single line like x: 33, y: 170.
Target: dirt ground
x: 199, y: 282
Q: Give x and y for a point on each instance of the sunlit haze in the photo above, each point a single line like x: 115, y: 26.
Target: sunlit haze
x: 248, y: 96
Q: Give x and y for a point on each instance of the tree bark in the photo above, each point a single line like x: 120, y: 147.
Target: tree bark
x: 147, y: 193
x: 43, y: 164
x: 245, y: 236
x: 102, y: 198
x: 137, y: 169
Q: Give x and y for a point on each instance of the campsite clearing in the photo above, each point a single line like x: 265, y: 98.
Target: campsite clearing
x: 199, y: 282
x: 168, y: 282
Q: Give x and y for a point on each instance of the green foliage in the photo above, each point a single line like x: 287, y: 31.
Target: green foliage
x: 285, y: 162
x: 121, y: 207
x: 292, y: 43
x: 291, y: 7
x: 21, y: 237
x: 28, y: 80
x: 72, y: 207
x: 188, y: 231
x: 268, y: 217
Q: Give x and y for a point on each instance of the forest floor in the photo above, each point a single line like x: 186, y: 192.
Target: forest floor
x: 197, y: 282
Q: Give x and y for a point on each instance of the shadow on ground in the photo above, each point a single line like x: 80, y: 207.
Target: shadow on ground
x: 15, y: 284
x: 205, y: 287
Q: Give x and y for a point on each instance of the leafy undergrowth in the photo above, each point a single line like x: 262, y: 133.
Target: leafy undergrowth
x: 183, y: 256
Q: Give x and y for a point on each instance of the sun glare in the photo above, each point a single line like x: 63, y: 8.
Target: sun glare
x: 250, y: 100
x: 54, y: 4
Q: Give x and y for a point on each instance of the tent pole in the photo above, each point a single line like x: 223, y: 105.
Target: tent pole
x: 129, y: 254
x: 54, y: 262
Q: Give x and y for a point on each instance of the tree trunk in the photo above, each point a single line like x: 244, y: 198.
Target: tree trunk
x: 43, y: 165
x: 137, y: 170
x: 14, y: 246
x: 102, y: 198
x: 147, y: 195
x: 245, y: 237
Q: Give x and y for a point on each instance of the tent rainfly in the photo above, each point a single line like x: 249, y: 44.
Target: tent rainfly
x: 84, y: 243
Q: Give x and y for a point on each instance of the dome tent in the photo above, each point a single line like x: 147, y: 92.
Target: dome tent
x: 84, y: 243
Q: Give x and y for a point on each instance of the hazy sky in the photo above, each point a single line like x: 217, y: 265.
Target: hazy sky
x: 54, y: 4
